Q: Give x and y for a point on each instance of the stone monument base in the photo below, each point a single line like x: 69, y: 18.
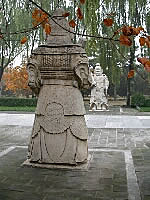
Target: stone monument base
x: 81, y: 166
x: 99, y: 110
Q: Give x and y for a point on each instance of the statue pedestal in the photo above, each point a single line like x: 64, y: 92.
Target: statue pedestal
x: 99, y: 110
x: 80, y: 166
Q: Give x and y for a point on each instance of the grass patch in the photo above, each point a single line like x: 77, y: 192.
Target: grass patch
x: 144, y: 109
x: 18, y: 108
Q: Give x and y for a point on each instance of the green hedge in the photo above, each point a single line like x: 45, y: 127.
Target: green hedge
x: 139, y: 100
x: 147, y: 103
x: 13, y: 102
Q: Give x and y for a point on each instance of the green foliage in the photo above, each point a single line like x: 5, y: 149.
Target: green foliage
x: 23, y: 108
x: 137, y: 100
x: 147, y: 103
x: 13, y: 102
x: 144, y: 109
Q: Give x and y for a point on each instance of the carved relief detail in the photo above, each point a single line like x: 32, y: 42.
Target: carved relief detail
x: 56, y: 61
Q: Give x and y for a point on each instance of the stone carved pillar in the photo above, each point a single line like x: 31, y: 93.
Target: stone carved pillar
x: 57, y: 72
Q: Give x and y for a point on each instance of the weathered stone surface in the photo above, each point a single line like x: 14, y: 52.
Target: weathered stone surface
x: 57, y: 72
x: 56, y: 95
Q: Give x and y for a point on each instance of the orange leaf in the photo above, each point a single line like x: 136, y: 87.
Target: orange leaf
x: 66, y: 14
x: 35, y: 13
x: 47, y: 29
x: 108, y: 22
x: 140, y: 28
x: 148, y: 36
x: 39, y: 17
x: 136, y: 31
x: 147, y: 42
x: 147, y: 66
x: 142, y: 41
x: 72, y: 23
x: 82, y: 1
x: 23, y: 40
x: 125, y: 40
x: 44, y: 16
x: 143, y: 60
x: 131, y: 73
x: 127, y: 30
x: 79, y: 14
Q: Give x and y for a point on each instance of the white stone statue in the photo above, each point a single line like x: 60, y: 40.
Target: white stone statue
x: 57, y: 72
x: 100, y: 84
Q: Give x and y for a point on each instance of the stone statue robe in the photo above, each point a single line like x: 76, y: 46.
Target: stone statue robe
x: 59, y: 132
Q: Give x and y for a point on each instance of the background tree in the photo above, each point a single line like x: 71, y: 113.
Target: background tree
x: 103, y: 42
x: 16, y: 80
x: 133, y: 13
x: 15, y: 25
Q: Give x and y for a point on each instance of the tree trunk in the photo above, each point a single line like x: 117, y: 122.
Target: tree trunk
x: 130, y: 67
x: 115, y: 92
x: 128, y: 93
x: 1, y: 73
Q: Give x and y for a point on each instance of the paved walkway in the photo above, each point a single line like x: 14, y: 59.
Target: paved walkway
x: 119, y: 169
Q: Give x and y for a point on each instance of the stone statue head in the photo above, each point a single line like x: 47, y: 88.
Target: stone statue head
x: 98, y: 70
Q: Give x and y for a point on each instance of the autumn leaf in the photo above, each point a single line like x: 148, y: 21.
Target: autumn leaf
x: 23, y: 40
x: 66, y: 14
x: 125, y: 40
x: 136, y: 31
x: 79, y: 14
x: 108, y: 22
x: 47, y: 29
x: 143, y: 60
x: 147, y: 66
x: 141, y: 29
x: 16, y: 79
x: 44, y: 16
x: 72, y: 23
x: 127, y: 30
x: 142, y: 41
x: 35, y: 13
x: 147, y: 42
x: 148, y: 36
x: 131, y: 73
x: 82, y: 1
x: 39, y: 17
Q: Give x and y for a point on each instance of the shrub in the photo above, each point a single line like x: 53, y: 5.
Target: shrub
x: 137, y: 100
x: 13, y: 102
x: 147, y: 103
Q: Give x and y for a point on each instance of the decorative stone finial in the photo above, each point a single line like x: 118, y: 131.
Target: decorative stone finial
x: 60, y: 29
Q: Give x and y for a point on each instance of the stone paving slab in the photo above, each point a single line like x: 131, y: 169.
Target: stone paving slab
x: 105, y: 179
x: 141, y: 159
x: 93, y: 121
x: 117, y: 121
x: 115, y: 149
